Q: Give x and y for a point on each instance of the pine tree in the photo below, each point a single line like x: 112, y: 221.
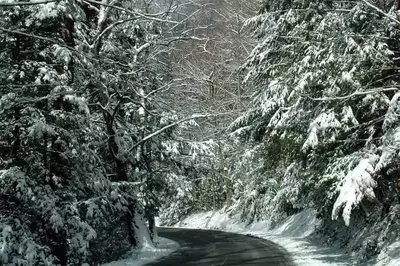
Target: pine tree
x: 81, y: 129
x: 326, y: 81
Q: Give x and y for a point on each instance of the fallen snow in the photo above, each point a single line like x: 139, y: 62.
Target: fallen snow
x: 390, y: 255
x: 292, y: 235
x: 163, y: 247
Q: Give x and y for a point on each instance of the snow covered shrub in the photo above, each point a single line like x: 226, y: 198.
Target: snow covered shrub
x: 193, y: 182
x: 178, y: 199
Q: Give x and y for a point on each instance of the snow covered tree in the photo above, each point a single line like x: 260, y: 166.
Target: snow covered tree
x: 204, y: 66
x: 323, y: 116
x: 81, y: 128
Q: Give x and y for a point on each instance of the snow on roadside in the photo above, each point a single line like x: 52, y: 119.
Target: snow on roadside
x: 292, y: 235
x: 163, y: 247
x: 390, y: 255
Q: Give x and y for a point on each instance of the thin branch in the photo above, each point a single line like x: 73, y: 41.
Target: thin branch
x: 30, y: 35
x: 157, y: 90
x: 381, y: 11
x: 2, y: 4
x: 183, y: 38
x: 29, y: 85
x: 357, y: 93
x: 152, y: 135
x: 91, y: 7
x: 110, y: 28
x: 146, y: 16
x: 26, y: 100
x: 139, y: 50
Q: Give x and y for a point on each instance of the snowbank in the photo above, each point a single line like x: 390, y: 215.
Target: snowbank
x: 390, y: 255
x: 147, y: 254
x: 292, y: 235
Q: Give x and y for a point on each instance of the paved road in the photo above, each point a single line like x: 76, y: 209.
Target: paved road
x: 208, y: 248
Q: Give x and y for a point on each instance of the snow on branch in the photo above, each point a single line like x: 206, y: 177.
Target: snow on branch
x: 80, y: 102
x: 382, y: 12
x: 357, y: 93
x: 43, y: 38
x: 142, y: 15
x: 393, y: 112
x: 109, y: 28
x: 321, y: 124
x: 357, y: 185
x: 7, y: 4
x: 390, y: 148
x: 152, y: 135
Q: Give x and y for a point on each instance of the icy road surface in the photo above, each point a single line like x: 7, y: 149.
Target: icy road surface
x: 206, y: 247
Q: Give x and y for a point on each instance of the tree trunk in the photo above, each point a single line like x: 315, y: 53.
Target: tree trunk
x: 152, y: 226
x: 228, y: 185
x: 121, y: 172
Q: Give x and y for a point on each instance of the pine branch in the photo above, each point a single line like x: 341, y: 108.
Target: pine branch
x: 31, y: 100
x: 357, y: 93
x: 30, y: 35
x: 381, y: 11
x: 26, y: 3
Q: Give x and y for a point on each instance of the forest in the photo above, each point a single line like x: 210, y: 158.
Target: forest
x: 114, y: 112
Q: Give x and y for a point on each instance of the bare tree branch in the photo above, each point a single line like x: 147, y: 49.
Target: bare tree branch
x: 109, y: 28
x: 182, y: 38
x: 152, y: 135
x: 146, y: 16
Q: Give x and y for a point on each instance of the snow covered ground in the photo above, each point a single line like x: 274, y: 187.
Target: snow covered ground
x: 390, y: 256
x: 163, y: 247
x: 292, y: 235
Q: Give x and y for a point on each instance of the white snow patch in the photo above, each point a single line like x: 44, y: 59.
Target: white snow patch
x: 390, y: 255
x: 163, y: 247
x: 357, y: 185
x: 292, y: 235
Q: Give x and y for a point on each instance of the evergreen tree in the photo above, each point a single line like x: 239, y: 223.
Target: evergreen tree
x: 323, y: 118
x: 81, y: 129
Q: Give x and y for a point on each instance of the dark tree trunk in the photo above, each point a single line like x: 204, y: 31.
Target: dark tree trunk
x: 121, y: 171
x: 130, y: 223
x: 68, y: 36
x: 16, y: 144
x: 152, y: 226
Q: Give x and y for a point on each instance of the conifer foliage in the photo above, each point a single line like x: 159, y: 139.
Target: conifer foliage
x: 325, y: 115
x: 81, y: 128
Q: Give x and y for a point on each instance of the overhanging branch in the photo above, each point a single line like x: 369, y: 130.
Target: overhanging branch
x: 382, y: 12
x: 155, y: 133
x: 2, y: 4
x: 30, y: 35
x: 357, y: 93
x: 145, y: 16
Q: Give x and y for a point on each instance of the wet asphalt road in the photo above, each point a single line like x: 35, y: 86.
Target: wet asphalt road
x: 203, y: 247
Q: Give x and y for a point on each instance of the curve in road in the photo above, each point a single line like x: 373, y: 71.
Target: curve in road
x: 206, y: 247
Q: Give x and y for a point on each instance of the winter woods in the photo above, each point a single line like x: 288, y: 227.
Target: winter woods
x: 83, y: 129
x: 113, y: 112
x: 324, y: 119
